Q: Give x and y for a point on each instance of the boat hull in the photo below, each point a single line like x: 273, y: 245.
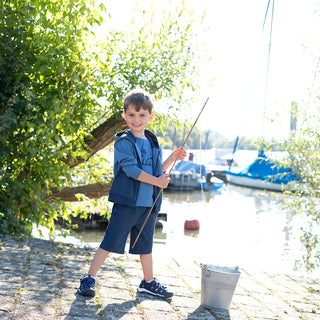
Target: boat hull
x: 211, y: 183
x: 183, y: 181
x: 246, y: 181
x: 188, y: 179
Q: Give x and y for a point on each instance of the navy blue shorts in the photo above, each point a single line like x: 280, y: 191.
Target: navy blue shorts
x: 126, y: 219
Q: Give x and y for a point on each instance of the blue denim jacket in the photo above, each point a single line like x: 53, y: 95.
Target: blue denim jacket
x: 127, y: 168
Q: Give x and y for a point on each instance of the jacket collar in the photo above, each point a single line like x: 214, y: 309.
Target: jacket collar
x: 150, y: 136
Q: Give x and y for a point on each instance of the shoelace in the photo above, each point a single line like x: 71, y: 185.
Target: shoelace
x: 87, y: 282
x: 161, y: 287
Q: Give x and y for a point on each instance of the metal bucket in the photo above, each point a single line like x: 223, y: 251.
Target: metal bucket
x: 218, y: 285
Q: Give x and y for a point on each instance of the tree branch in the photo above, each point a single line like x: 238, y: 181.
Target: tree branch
x: 92, y: 191
x: 101, y: 137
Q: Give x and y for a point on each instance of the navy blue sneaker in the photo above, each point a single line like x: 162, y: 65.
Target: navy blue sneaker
x: 154, y: 288
x: 87, y: 286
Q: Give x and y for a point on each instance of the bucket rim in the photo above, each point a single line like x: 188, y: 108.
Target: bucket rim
x: 221, y: 269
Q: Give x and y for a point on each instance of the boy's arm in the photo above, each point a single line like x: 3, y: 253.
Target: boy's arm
x: 180, y: 153
x: 125, y: 157
x: 161, y: 181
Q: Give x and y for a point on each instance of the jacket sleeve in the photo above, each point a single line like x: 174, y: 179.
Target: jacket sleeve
x: 124, y: 155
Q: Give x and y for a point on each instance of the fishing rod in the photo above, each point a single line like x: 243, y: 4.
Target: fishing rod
x: 185, y: 141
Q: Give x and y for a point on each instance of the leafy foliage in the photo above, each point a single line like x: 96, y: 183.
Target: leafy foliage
x: 304, y: 158
x: 58, y: 83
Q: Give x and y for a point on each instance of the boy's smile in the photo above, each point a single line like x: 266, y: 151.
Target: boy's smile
x: 137, y: 120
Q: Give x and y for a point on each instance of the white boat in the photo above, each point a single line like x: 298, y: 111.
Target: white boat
x: 263, y: 173
x: 250, y: 182
x: 218, y: 167
x: 222, y: 163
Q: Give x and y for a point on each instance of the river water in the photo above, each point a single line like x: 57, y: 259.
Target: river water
x: 238, y: 227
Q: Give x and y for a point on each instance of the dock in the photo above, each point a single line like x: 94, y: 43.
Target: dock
x: 39, y: 280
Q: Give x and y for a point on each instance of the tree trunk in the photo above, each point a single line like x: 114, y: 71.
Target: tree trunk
x: 101, y: 137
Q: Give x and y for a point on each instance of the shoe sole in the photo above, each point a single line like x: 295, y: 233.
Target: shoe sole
x: 142, y: 290
x: 89, y: 294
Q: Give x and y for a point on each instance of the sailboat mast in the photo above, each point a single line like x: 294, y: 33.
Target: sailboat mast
x: 268, y: 67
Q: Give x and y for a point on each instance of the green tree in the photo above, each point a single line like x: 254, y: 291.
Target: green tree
x: 176, y: 132
x: 61, y: 97
x: 304, y: 159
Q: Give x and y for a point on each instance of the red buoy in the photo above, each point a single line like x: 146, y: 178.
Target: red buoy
x: 192, y: 225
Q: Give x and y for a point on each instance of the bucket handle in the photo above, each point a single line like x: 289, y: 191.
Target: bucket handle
x: 205, y: 269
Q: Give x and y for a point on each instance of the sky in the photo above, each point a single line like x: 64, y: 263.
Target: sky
x: 234, y: 52
x: 243, y: 89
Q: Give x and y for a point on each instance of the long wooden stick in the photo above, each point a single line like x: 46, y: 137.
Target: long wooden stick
x: 185, y: 141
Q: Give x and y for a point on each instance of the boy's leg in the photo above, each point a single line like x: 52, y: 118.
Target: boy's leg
x: 149, y: 284
x: 98, y: 259
x: 87, y: 283
x: 147, y: 266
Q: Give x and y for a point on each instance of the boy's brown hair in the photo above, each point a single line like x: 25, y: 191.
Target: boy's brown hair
x: 138, y: 98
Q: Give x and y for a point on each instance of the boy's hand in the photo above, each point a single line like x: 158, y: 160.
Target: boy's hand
x: 163, y: 181
x: 181, y: 153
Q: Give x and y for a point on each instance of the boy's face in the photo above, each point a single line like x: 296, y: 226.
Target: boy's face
x: 137, y: 120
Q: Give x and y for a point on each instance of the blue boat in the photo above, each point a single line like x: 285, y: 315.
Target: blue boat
x: 187, y: 175
x: 263, y: 173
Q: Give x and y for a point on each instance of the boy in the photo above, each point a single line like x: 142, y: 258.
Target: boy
x: 138, y: 179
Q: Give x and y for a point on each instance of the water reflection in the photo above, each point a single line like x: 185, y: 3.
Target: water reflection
x: 238, y: 226
x: 191, y: 233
